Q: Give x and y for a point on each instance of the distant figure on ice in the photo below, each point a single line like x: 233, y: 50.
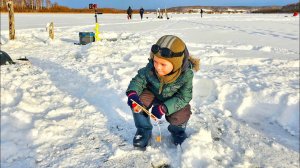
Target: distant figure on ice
x: 159, y: 13
x: 165, y: 85
x: 129, y: 13
x: 142, y: 12
x: 166, y: 14
x: 201, y: 11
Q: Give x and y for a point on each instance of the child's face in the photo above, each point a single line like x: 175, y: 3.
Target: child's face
x: 162, y: 66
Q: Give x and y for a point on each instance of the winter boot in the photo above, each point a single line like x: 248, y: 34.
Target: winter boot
x: 178, y: 133
x: 141, y: 138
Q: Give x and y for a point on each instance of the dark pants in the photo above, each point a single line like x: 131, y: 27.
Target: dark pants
x: 179, y: 118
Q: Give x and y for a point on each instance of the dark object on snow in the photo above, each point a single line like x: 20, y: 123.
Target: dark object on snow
x: 86, y: 37
x: 5, y: 58
x: 23, y: 59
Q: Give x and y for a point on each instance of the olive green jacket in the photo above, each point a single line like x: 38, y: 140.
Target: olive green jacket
x: 175, y: 95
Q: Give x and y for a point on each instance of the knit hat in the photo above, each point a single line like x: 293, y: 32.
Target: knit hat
x: 176, y: 45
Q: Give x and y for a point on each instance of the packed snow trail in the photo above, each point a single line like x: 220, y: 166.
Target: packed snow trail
x: 67, y: 108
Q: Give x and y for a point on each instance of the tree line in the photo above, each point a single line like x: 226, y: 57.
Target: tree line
x: 48, y: 6
x: 29, y: 4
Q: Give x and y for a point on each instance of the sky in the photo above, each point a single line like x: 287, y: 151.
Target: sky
x: 153, y: 4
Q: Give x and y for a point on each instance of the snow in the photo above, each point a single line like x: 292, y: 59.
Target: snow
x: 67, y: 107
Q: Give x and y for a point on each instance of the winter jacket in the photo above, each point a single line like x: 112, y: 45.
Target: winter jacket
x: 129, y: 11
x: 142, y: 11
x: 175, y: 95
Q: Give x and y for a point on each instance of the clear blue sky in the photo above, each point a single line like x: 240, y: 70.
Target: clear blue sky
x: 153, y: 4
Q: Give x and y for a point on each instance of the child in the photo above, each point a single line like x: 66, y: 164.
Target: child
x: 165, y: 84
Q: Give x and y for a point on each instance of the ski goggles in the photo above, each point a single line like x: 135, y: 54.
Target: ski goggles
x: 165, y: 52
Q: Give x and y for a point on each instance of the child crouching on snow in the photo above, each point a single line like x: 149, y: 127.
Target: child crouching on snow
x: 165, y: 84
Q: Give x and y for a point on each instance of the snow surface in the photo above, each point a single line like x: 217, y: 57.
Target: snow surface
x: 67, y: 107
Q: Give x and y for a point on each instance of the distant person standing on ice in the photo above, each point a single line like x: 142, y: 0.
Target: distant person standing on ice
x: 201, y: 11
x: 166, y: 85
x: 129, y: 13
x: 142, y: 12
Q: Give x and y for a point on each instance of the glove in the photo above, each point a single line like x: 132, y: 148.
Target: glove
x: 134, y: 96
x: 159, y: 110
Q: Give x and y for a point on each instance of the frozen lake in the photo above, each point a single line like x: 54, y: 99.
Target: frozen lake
x: 67, y: 107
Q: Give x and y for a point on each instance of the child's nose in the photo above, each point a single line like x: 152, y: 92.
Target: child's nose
x: 158, y: 67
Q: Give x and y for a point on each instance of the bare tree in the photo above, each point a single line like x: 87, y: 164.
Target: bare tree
x: 2, y: 3
x: 32, y: 4
x: 23, y: 4
x: 17, y: 2
x: 48, y: 3
x: 28, y: 5
x: 37, y: 4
